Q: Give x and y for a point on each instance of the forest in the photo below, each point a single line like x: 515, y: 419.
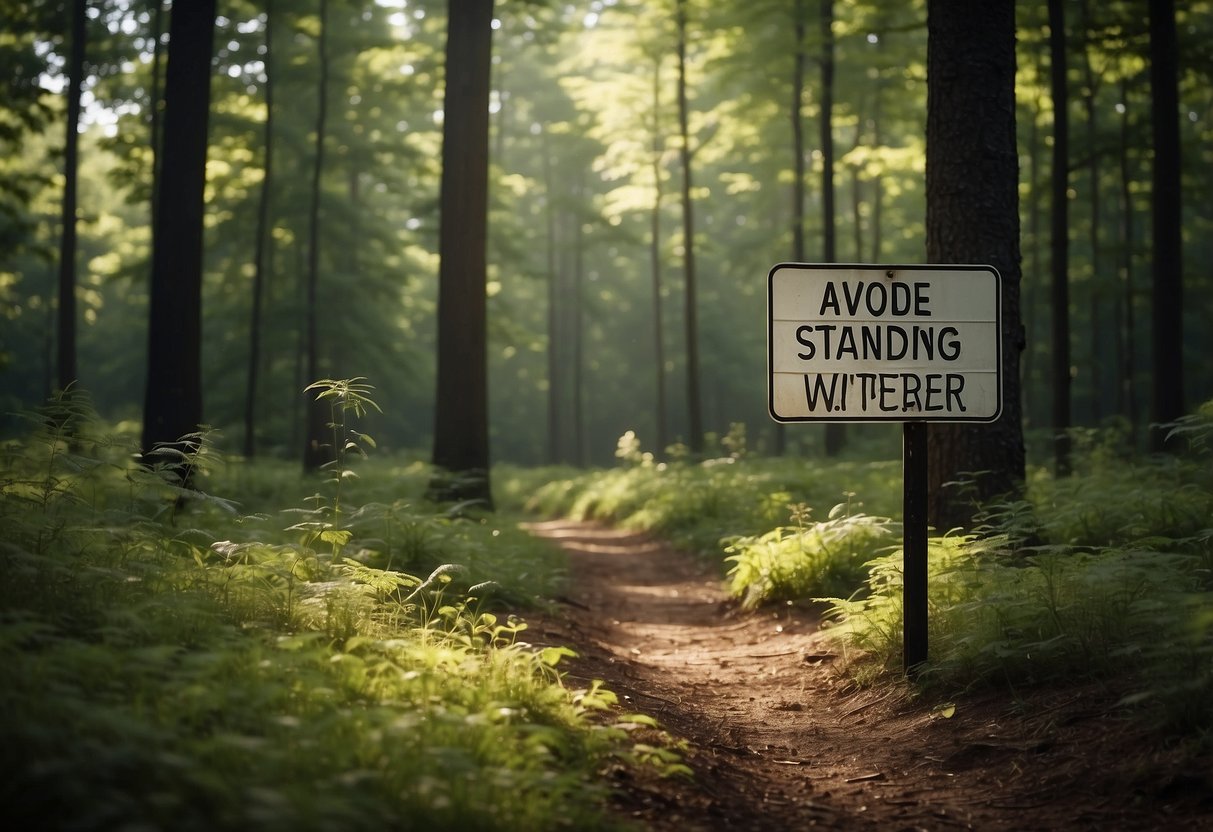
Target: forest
x: 315, y: 313
x: 585, y: 230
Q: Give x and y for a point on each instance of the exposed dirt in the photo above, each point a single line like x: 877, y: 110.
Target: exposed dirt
x: 779, y: 739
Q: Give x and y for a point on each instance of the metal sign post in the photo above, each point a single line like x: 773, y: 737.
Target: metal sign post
x: 911, y: 344
x: 914, y: 545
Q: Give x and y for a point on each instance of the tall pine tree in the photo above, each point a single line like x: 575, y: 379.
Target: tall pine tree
x: 173, y: 396
x: 461, y: 419
x: 973, y: 217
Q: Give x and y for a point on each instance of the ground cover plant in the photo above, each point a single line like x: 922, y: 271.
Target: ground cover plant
x: 171, y: 658
x: 696, y: 504
x: 1103, y: 575
x: 789, y: 564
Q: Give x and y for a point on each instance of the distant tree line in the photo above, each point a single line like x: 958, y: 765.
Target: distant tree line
x: 318, y: 204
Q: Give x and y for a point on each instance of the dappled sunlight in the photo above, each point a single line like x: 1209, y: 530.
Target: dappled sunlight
x: 781, y: 728
x: 595, y: 539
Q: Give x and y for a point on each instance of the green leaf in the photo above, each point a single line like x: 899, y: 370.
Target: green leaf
x: 551, y: 656
x: 638, y: 719
x: 339, y: 537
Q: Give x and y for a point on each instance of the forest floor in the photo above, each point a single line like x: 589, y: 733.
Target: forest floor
x: 780, y: 739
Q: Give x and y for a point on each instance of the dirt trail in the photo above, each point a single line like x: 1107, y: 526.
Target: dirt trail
x: 780, y: 741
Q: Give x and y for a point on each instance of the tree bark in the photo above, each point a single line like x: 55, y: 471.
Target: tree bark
x: 1031, y: 293
x: 173, y: 397
x: 576, y: 325
x: 1097, y: 331
x: 1128, y: 318
x: 66, y: 359
x: 461, y: 427
x: 156, y: 106
x: 796, y: 116
x: 1060, y: 240
x: 1168, y: 398
x: 694, y: 398
x: 555, y: 426
x: 972, y: 217
x: 661, y: 418
x: 835, y: 432
x: 262, y: 232
x: 317, y: 447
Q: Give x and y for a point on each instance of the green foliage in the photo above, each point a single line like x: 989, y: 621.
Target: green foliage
x: 870, y: 617
x: 1196, y: 428
x: 808, y: 559
x: 1107, y: 574
x: 698, y: 504
x: 347, y: 399
x: 1114, y: 499
x: 574, y: 190
x: 216, y: 674
x: 1103, y: 575
x: 1133, y: 614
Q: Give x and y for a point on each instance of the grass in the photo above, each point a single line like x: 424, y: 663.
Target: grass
x: 792, y: 563
x: 696, y: 505
x: 1106, y: 574
x: 336, y: 653
x: 265, y: 661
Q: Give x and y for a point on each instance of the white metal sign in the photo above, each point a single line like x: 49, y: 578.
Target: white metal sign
x: 857, y: 343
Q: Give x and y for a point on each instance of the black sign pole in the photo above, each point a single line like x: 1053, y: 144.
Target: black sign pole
x: 914, y: 545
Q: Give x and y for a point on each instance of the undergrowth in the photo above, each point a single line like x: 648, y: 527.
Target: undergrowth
x: 170, y: 659
x: 794, y: 562
x: 1103, y: 575
x: 696, y: 504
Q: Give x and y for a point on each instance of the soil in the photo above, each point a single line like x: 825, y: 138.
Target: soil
x: 780, y: 737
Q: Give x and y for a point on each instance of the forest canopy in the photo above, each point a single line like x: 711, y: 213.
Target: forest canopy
x: 587, y: 243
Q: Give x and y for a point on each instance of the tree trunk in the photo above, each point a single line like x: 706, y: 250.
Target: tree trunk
x: 1167, y: 218
x: 317, y: 447
x: 259, y: 265
x: 877, y: 185
x: 694, y: 403
x: 835, y: 432
x: 829, y: 245
x: 461, y: 424
x: 156, y: 106
x: 1032, y: 287
x: 48, y: 348
x: 972, y: 217
x: 173, y: 397
x: 298, y: 417
x: 566, y: 305
x: 576, y: 324
x: 66, y: 362
x: 1096, y: 281
x: 1060, y: 240
x: 1128, y: 318
x: 662, y: 419
x: 796, y: 116
x: 554, y: 423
